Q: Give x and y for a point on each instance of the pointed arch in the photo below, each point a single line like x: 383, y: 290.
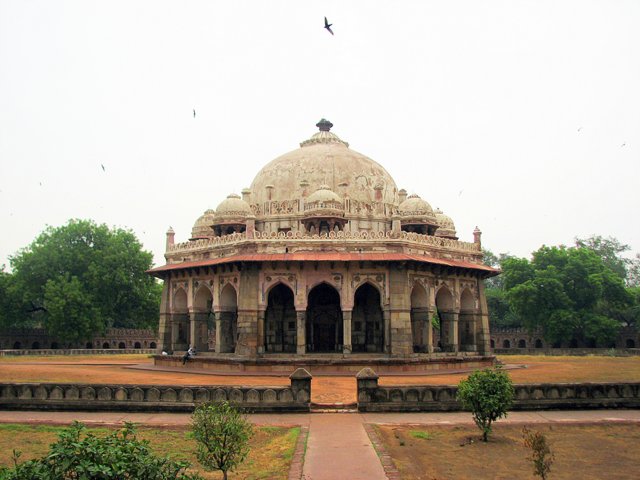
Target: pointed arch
x: 467, y: 321
x: 180, y: 320
x: 228, y: 319
x: 367, y: 320
x: 180, y: 301
x: 203, y: 317
x: 203, y: 300
x: 445, y: 329
x: 324, y: 319
x: 420, y: 321
x: 280, y: 319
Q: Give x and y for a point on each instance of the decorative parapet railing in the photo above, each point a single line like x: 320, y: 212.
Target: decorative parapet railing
x: 70, y: 396
x: 409, y: 237
x: 546, y: 396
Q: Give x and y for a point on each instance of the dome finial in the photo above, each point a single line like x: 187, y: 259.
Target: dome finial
x: 324, y: 125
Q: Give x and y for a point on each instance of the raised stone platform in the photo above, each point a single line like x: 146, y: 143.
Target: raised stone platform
x: 326, y: 364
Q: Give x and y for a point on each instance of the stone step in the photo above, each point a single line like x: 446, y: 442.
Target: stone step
x: 334, y: 407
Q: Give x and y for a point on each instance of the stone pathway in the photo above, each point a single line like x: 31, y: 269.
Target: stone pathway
x: 338, y: 445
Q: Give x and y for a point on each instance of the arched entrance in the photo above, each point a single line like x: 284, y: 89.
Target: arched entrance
x: 467, y: 322
x: 180, y: 324
x: 446, y: 318
x: 280, y: 321
x: 324, y: 320
x: 228, y: 324
x: 420, y: 321
x: 367, y: 329
x: 202, y: 318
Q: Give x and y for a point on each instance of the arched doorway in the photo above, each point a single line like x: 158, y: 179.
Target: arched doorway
x: 203, y: 318
x: 324, y: 320
x: 420, y: 321
x: 180, y: 326
x: 446, y: 320
x: 506, y: 344
x: 228, y: 320
x: 522, y: 343
x: 280, y: 321
x: 466, y: 322
x: 367, y: 331
x: 538, y: 343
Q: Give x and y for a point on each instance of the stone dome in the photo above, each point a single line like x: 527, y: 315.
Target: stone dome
x: 323, y: 194
x: 202, y: 227
x: 233, y: 206
x: 414, y: 206
x: 324, y: 159
x: 446, y: 226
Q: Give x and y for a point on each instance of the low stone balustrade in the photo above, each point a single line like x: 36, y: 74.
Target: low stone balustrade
x: 434, y: 398
x: 174, y: 398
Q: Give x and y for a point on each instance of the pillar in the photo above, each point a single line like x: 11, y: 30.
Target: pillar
x: 346, y: 331
x: 193, y: 329
x: 386, y: 318
x: 261, y: 340
x: 301, y: 340
x: 218, y: 321
x: 427, y: 332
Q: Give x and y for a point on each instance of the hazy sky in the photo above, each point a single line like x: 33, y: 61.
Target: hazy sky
x: 521, y: 117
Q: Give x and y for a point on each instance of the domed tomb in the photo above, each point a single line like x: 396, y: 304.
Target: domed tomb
x: 324, y: 159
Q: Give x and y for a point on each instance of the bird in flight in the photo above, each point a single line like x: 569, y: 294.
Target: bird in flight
x: 102, y: 167
x: 623, y: 145
x: 194, y: 113
x: 327, y: 25
x: 579, y: 128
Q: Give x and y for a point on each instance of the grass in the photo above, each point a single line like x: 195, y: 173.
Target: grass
x: 424, y: 435
x: 272, y: 448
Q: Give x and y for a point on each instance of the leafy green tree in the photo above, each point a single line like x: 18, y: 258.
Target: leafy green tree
x: 84, y: 268
x: 119, y: 455
x: 570, y: 293
x: 223, y: 434
x: 12, y: 307
x: 488, y: 394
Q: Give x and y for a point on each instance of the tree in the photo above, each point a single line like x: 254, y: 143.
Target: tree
x: 12, y: 307
x: 541, y: 455
x: 87, y: 269
x: 119, y: 455
x: 488, y: 394
x: 570, y: 294
x: 223, y: 434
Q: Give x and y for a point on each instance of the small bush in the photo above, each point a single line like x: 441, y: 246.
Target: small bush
x: 118, y: 456
x: 488, y: 394
x: 420, y: 434
x: 223, y: 435
x: 541, y: 455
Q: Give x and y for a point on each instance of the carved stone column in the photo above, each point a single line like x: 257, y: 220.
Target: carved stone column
x: 301, y: 324
x: 346, y: 331
x: 427, y: 331
x: 193, y: 329
x: 386, y: 318
x: 261, y: 317
x: 218, y: 318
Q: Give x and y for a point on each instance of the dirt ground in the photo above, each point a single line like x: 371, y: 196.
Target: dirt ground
x: 325, y: 389
x: 588, y: 452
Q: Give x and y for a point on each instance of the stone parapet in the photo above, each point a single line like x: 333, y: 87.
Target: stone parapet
x: 173, y: 398
x: 78, y: 351
x: 409, y: 238
x: 547, y: 396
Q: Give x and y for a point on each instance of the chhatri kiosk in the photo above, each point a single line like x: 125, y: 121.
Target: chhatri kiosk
x: 324, y: 261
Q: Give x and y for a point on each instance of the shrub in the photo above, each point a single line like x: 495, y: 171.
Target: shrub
x: 119, y: 455
x: 541, y: 455
x: 488, y: 394
x: 223, y: 434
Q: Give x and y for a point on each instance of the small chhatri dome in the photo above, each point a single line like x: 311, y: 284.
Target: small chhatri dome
x: 203, y: 226
x: 233, y: 206
x: 324, y: 136
x: 415, y: 206
x: 447, y: 228
x: 324, y: 194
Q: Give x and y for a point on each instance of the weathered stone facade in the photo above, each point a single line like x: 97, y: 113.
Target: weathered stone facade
x: 519, y: 338
x: 113, y: 338
x: 323, y: 254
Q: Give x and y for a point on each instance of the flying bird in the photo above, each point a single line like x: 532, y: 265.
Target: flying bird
x: 580, y: 128
x: 327, y: 25
x: 102, y: 167
x: 194, y: 113
x: 623, y: 145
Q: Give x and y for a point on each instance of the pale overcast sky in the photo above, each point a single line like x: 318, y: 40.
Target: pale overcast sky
x: 521, y: 117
